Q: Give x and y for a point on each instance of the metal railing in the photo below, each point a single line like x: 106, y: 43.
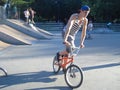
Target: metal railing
x: 114, y: 26
x: 9, y: 13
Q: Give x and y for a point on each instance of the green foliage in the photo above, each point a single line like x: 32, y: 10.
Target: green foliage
x: 19, y: 2
x: 67, y: 8
x: 104, y: 10
x: 101, y: 10
x: 56, y: 9
x: 2, y: 2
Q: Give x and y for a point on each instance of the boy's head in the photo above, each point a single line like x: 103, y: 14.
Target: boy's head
x: 84, y: 10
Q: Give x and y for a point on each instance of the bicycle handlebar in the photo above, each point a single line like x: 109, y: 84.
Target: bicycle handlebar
x: 75, y: 51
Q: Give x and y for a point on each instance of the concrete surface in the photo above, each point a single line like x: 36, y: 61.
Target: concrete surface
x: 30, y: 66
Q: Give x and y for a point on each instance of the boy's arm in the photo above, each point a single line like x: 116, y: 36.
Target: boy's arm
x: 83, y: 34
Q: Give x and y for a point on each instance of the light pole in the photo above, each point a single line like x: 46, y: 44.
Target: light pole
x: 8, y: 8
x: 57, y: 2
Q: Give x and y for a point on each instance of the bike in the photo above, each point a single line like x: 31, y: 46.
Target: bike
x: 3, y: 72
x: 73, y: 74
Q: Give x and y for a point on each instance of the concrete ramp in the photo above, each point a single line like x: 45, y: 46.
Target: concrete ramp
x: 29, y: 29
x: 11, y: 36
x: 34, y: 27
x: 3, y: 45
x: 41, y: 31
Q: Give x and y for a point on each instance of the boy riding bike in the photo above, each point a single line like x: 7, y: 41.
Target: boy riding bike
x: 73, y: 26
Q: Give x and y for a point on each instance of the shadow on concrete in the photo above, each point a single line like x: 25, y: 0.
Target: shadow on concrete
x: 52, y: 88
x: 101, y: 66
x: 22, y: 78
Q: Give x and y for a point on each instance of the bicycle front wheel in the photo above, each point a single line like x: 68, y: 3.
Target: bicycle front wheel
x: 3, y: 72
x: 74, y: 76
x: 56, y: 66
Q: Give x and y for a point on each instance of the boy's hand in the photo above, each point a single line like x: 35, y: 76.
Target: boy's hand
x: 82, y: 45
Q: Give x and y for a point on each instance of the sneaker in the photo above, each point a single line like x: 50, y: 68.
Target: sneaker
x: 64, y: 70
x: 58, y: 55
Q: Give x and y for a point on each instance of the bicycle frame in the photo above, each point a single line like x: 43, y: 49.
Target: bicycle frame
x: 66, y: 60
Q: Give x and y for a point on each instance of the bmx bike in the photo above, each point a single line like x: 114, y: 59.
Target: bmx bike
x: 72, y: 73
x: 3, y: 72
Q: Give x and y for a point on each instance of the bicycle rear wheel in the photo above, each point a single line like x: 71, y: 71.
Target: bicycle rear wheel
x: 56, y: 66
x: 3, y: 72
x: 73, y: 76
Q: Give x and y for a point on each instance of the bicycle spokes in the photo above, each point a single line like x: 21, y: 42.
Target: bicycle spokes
x: 73, y: 76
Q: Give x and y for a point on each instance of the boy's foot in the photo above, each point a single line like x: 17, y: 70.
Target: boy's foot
x: 64, y: 70
x: 58, y: 55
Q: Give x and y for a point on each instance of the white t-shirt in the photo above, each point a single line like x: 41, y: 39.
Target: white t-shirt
x: 90, y: 26
x: 27, y: 14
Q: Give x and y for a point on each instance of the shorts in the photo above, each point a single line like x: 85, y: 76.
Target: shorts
x: 71, y: 40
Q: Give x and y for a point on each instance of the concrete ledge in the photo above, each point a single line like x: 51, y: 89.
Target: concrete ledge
x: 11, y: 40
x: 25, y: 28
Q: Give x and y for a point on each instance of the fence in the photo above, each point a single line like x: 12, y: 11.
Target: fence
x: 2, y: 13
x: 10, y: 13
x: 115, y: 26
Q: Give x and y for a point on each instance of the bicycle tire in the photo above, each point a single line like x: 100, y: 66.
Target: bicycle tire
x: 56, y: 67
x: 74, y: 76
x: 4, y: 72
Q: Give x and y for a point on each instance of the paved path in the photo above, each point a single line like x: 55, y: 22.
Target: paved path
x: 30, y: 66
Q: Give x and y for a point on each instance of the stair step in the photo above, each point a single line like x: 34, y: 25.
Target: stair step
x: 50, y: 26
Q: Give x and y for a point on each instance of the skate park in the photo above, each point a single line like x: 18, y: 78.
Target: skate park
x: 27, y: 53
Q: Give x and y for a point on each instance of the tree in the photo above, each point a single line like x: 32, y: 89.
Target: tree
x: 2, y: 2
x: 21, y: 5
x: 101, y: 10
x: 104, y: 10
x: 56, y: 9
